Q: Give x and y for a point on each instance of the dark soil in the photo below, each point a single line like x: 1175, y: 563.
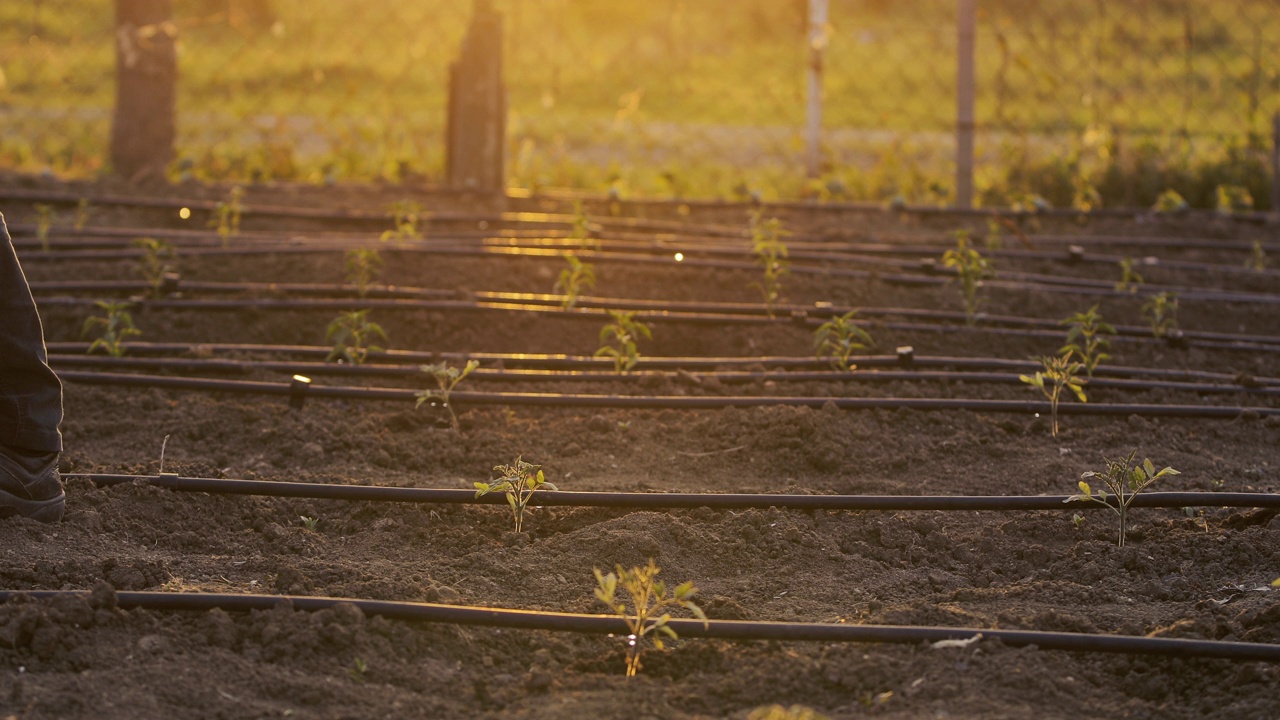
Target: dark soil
x: 1182, y: 574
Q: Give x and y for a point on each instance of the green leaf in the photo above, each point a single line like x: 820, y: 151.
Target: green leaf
x: 550, y: 486
x: 1085, y: 489
x: 1148, y: 467
x: 666, y: 630
x: 684, y: 590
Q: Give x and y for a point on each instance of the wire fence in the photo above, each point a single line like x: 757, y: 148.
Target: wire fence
x: 1077, y: 101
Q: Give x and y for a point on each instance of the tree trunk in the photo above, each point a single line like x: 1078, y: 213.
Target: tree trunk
x: 143, y: 126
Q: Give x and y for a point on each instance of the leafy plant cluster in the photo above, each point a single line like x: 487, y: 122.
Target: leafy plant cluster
x: 771, y: 254
x: 518, y: 481
x: 114, y: 326
x: 646, y: 608
x: 620, y: 340
x: 839, y: 338
x: 447, y: 378
x: 227, y: 214
x: 971, y: 269
x: 1125, y: 479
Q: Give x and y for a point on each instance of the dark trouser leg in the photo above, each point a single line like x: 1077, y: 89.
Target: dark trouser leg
x: 30, y: 394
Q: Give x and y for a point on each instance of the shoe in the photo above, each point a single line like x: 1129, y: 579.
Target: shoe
x: 30, y: 485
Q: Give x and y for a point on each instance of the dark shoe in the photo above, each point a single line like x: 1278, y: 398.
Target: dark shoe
x: 30, y: 485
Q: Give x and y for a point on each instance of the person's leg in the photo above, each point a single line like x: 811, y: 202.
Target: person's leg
x: 30, y: 401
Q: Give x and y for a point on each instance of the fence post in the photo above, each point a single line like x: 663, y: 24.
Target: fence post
x: 1275, y: 163
x: 476, y: 124
x: 967, y: 22
x: 818, y: 14
x: 143, y: 123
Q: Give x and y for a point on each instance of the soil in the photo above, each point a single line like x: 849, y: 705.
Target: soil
x: 1184, y: 574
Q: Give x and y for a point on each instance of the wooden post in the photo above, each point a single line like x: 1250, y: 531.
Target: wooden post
x: 143, y: 125
x: 818, y: 14
x: 964, y: 103
x: 1275, y: 163
x: 476, y: 128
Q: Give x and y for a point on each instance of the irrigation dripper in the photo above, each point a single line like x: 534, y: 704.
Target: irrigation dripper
x: 906, y: 355
x: 298, y: 388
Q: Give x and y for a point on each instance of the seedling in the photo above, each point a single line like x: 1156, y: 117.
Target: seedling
x: 226, y: 215
x: 44, y: 223
x: 1078, y: 520
x: 1125, y: 480
x: 1129, y: 278
x: 115, y: 326
x: 309, y: 522
x: 1161, y: 310
x: 771, y: 255
x: 519, y: 481
x: 405, y: 218
x: 155, y: 263
x: 1059, y: 374
x: 622, y: 333
x: 647, y: 616
x: 971, y: 268
x: 1085, y: 338
x: 581, y: 229
x: 574, y: 280
x: 1258, y: 260
x: 82, y: 214
x: 358, y: 671
x: 362, y: 266
x: 1233, y: 198
x: 1171, y: 202
x: 447, y: 378
x: 350, y: 334
x: 839, y: 338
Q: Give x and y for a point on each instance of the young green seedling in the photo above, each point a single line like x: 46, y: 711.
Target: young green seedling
x: 1258, y: 260
x: 839, y: 338
x: 771, y: 255
x: 350, y: 334
x: 116, y: 325
x: 309, y: 522
x: 1171, y: 202
x: 1059, y: 374
x: 358, y: 671
x: 1085, y: 338
x: 405, y: 217
x: 447, y: 378
x: 1233, y: 198
x: 155, y: 263
x: 82, y: 214
x: 362, y: 266
x: 44, y: 223
x: 622, y: 332
x: 226, y: 215
x: 581, y: 229
x: 573, y: 280
x: 648, y: 615
x: 1161, y: 311
x: 971, y: 269
x: 1125, y: 480
x: 1129, y: 278
x: 519, y: 481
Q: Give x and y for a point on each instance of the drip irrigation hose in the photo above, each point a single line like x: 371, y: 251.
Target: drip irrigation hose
x: 693, y: 364
x: 674, y: 501
x: 311, y: 369
x: 686, y: 628
x: 662, y: 402
x: 393, y: 296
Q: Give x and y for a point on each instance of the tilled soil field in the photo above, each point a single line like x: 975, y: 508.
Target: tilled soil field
x: 1191, y: 573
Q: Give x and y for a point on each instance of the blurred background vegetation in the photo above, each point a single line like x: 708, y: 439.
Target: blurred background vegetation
x: 1079, y: 101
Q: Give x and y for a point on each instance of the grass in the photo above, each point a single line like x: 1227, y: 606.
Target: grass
x: 1136, y: 97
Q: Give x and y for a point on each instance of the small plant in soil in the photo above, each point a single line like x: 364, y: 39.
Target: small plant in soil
x: 362, y: 267
x: 771, y: 255
x: 581, y: 228
x: 1125, y: 479
x: 1129, y: 278
x: 155, y: 263
x: 44, y: 223
x: 1171, y: 202
x: 446, y: 378
x: 648, y: 613
x: 573, y: 280
x: 310, y: 523
x: 114, y: 326
x: 619, y: 338
x: 1258, y: 260
x: 839, y: 338
x: 351, y: 333
x: 1085, y: 339
x: 406, y: 216
x: 519, y: 481
x: 971, y: 269
x: 1059, y: 373
x: 1232, y: 199
x: 226, y: 215
x: 82, y: 214
x: 358, y: 672
x: 1161, y: 311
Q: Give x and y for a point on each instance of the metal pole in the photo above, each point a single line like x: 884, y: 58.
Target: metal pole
x: 964, y: 103
x: 813, y: 127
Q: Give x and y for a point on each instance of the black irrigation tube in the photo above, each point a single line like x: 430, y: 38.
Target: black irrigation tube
x: 686, y: 628
x: 689, y: 364
x: 482, y: 374
x: 674, y: 501
x: 661, y: 402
